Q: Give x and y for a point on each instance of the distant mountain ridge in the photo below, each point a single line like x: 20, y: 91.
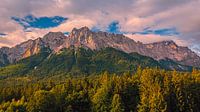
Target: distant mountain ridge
x: 79, y: 61
x: 85, y: 38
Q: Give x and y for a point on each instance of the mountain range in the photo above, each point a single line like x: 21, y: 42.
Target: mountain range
x: 164, y: 54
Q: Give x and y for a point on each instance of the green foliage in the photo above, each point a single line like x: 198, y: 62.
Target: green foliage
x: 14, y: 106
x: 169, y: 64
x: 101, y: 99
x: 42, y: 101
x: 23, y: 66
x: 146, y: 90
x: 152, y: 92
x: 117, y: 105
x: 11, y: 70
x: 77, y: 61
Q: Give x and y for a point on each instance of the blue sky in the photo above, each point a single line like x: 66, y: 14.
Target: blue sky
x: 144, y: 20
x: 2, y: 35
x: 114, y: 27
x: 162, y: 31
x: 30, y: 21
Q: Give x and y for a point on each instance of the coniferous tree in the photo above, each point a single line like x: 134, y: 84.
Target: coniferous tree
x: 117, y: 105
x: 43, y: 101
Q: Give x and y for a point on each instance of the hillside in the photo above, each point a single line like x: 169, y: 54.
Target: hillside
x: 84, y: 61
x: 85, y: 38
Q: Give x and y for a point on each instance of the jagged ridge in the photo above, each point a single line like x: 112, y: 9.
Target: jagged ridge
x: 83, y: 37
x: 78, y: 61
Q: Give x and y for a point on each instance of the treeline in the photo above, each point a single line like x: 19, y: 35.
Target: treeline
x: 147, y: 90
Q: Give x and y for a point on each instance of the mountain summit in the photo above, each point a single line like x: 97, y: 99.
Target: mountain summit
x: 85, y: 38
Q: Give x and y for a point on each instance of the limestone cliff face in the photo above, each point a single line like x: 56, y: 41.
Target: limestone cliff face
x: 34, y: 48
x: 159, y: 50
x: 97, y: 40
x: 170, y: 50
x: 22, y: 50
x: 54, y: 40
x: 83, y: 37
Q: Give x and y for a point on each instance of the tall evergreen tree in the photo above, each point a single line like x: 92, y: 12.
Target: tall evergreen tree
x: 117, y: 105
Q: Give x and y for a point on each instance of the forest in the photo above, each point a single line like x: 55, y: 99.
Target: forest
x: 145, y: 90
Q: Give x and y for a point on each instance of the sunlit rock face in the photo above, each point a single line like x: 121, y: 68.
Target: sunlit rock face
x: 170, y: 50
x: 34, y: 48
x: 84, y: 37
x: 159, y: 50
x: 22, y: 50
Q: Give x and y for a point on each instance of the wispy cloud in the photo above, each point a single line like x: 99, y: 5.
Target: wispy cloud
x: 171, y: 19
x: 161, y: 32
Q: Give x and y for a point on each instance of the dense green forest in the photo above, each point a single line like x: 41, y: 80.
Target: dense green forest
x: 83, y: 80
x: 78, y: 61
x: 146, y: 90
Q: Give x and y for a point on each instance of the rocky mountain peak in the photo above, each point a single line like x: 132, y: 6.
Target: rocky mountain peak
x: 166, y: 42
x: 84, y: 37
x: 54, y: 40
x: 83, y: 30
x: 163, y: 44
x: 158, y: 50
x: 51, y: 36
x: 80, y: 33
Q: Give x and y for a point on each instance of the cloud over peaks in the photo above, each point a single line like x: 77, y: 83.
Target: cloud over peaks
x: 173, y: 19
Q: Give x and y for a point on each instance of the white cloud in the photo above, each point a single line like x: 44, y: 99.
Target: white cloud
x: 150, y: 38
x: 76, y: 22
x: 133, y: 15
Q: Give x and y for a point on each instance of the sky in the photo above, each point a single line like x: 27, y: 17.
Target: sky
x: 142, y: 20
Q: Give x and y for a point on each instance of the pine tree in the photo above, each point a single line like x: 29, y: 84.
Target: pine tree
x: 117, y: 105
x: 43, y: 101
